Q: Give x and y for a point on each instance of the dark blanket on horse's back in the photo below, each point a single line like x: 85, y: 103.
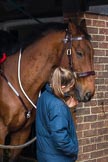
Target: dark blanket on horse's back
x: 8, y: 43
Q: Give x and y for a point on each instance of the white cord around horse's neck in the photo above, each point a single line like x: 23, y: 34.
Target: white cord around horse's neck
x: 19, y: 80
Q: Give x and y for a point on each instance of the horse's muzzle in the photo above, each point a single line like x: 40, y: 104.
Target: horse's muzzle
x: 84, y: 98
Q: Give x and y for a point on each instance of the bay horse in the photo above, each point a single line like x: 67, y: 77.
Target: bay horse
x: 56, y: 44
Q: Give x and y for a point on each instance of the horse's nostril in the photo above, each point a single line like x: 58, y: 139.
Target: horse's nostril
x: 88, y: 96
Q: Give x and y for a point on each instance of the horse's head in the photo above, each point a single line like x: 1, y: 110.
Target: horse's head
x: 80, y: 60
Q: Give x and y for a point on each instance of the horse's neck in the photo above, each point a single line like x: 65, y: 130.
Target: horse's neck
x: 37, y: 63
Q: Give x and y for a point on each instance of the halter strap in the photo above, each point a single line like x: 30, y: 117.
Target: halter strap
x: 68, y: 40
x: 85, y: 74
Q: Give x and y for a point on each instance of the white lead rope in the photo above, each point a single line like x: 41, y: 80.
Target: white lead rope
x: 19, y: 80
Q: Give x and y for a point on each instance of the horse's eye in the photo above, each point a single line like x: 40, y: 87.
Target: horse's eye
x: 79, y: 54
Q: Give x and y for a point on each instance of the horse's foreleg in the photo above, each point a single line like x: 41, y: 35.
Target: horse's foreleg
x: 3, y: 134
x: 18, y: 138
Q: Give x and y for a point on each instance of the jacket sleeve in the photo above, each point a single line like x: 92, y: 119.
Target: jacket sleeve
x: 59, y: 128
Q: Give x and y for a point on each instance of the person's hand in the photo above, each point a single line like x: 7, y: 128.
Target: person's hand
x: 71, y: 102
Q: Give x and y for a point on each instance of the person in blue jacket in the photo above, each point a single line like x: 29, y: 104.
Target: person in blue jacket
x: 55, y: 130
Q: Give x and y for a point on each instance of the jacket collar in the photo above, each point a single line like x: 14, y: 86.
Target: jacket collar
x: 48, y: 88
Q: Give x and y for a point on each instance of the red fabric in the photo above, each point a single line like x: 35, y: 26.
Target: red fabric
x: 3, y: 58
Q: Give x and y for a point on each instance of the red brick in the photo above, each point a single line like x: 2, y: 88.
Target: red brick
x: 102, y: 75
x: 98, y: 139
x: 103, y: 31
x: 80, y: 119
x: 102, y: 145
x: 92, y: 30
x: 90, y: 118
x: 99, y: 23
x: 99, y: 52
x: 84, y: 157
x: 106, y: 38
x: 83, y: 111
x: 103, y: 45
x: 106, y: 67
x: 102, y: 131
x: 99, y: 124
x: 95, y: 44
x: 85, y: 141
x: 89, y: 148
x: 102, y: 116
x: 80, y: 134
x: 98, y: 38
x: 97, y: 153
x: 91, y: 16
x: 83, y: 126
x: 103, y: 17
x: 90, y: 133
x: 99, y: 81
x: 88, y: 22
x: 96, y: 110
x: 106, y: 52
x: 106, y: 137
x: 103, y: 159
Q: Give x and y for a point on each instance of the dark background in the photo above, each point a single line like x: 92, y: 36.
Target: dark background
x: 20, y: 9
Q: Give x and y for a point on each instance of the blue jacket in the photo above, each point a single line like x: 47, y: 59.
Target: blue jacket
x: 56, y: 134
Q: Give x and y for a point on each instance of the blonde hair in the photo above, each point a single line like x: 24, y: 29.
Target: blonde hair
x: 62, y: 77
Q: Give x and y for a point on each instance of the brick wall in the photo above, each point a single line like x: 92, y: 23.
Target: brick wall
x: 92, y: 117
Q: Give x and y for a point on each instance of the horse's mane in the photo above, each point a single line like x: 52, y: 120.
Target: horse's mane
x: 10, y: 44
x: 45, y: 28
x: 41, y: 30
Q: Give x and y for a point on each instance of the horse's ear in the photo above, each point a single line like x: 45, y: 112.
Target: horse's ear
x: 72, y: 27
x: 83, y: 25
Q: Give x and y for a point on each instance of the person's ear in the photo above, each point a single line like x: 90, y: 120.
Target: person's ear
x: 72, y: 85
